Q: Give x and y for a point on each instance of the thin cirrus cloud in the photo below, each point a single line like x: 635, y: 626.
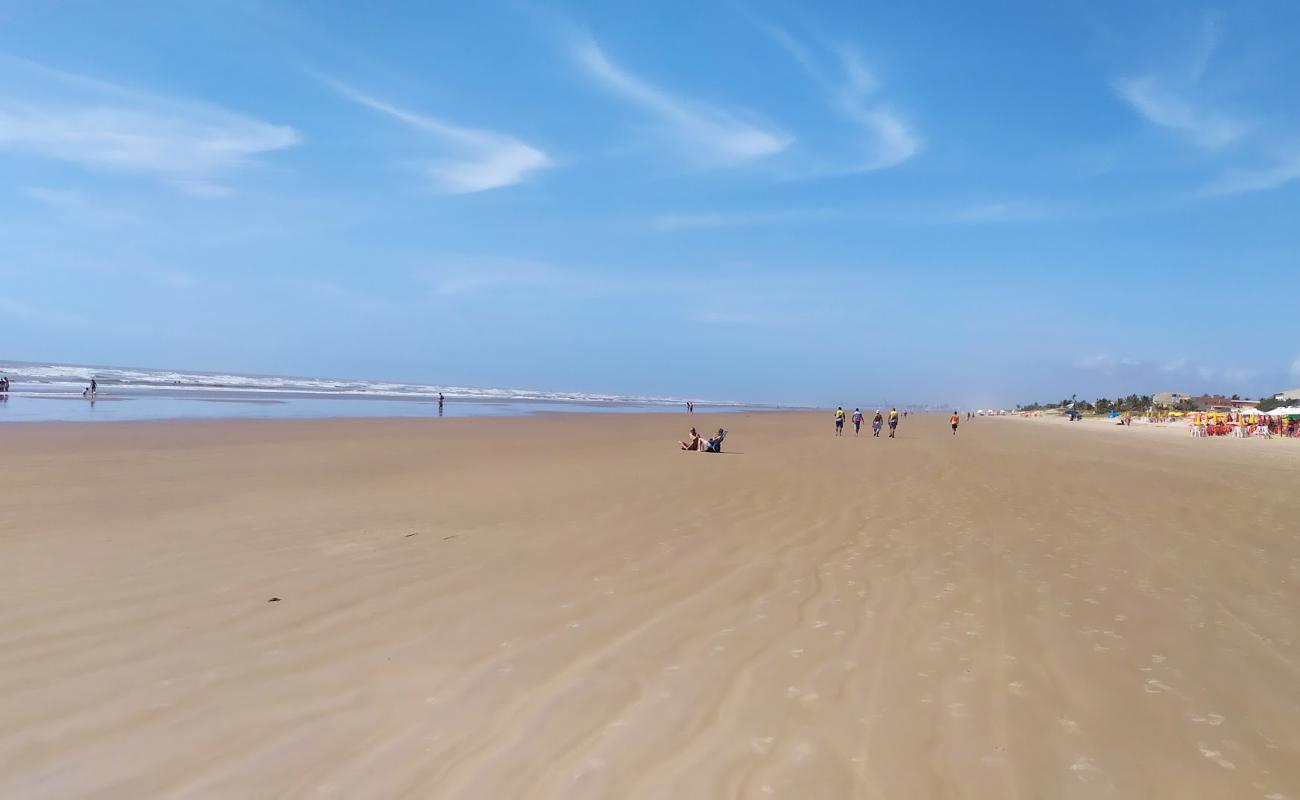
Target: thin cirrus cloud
x: 718, y: 136
x: 477, y: 160
x: 1250, y: 155
x: 853, y: 91
x: 1159, y: 103
x: 190, y: 145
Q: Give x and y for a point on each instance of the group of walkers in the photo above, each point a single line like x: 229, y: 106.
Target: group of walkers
x: 877, y: 422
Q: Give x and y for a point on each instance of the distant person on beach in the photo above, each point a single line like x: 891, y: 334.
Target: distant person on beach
x: 839, y: 420
x: 893, y: 421
x: 692, y: 442
x: 954, y: 420
x: 440, y: 401
x: 857, y: 421
x: 876, y: 423
x: 94, y: 387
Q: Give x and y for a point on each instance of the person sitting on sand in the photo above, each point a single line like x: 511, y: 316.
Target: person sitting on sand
x: 692, y: 442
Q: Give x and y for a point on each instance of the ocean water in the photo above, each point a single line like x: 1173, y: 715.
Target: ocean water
x: 54, y: 393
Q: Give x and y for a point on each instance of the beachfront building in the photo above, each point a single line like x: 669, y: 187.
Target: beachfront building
x: 1169, y: 399
x: 1289, y: 394
x: 1219, y: 403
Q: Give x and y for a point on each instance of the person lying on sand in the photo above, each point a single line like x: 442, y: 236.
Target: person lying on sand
x: 692, y: 442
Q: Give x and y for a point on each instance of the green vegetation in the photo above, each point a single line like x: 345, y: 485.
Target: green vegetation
x: 1268, y: 403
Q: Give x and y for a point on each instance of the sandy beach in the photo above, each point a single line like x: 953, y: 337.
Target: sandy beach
x: 569, y: 607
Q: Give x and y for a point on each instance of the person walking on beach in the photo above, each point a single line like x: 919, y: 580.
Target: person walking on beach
x: 954, y: 420
x: 857, y: 421
x: 94, y: 387
x: 893, y: 422
x: 876, y: 423
x: 839, y: 420
x: 440, y: 401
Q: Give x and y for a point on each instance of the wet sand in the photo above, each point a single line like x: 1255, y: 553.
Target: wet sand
x: 569, y: 607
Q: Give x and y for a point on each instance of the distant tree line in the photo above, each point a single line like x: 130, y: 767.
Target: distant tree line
x: 1102, y: 405
x: 1137, y: 404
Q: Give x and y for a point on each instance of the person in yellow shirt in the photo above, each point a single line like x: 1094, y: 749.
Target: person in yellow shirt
x: 839, y: 421
x: 893, y: 421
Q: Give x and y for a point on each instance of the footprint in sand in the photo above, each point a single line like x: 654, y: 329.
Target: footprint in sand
x: 1215, y: 756
x: 1083, y: 768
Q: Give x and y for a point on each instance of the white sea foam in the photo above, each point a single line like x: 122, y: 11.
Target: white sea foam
x: 70, y: 379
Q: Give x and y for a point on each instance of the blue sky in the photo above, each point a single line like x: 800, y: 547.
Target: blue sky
x: 820, y: 202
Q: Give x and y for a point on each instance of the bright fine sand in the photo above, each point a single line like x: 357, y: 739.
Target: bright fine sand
x: 569, y: 607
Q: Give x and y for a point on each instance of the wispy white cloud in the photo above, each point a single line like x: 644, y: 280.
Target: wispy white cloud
x: 192, y: 146
x: 479, y: 160
x: 853, y: 91
x: 730, y: 295
x: 1180, y: 99
x: 1239, y: 181
x: 713, y: 135
x: 1161, y: 104
x: 893, y: 140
